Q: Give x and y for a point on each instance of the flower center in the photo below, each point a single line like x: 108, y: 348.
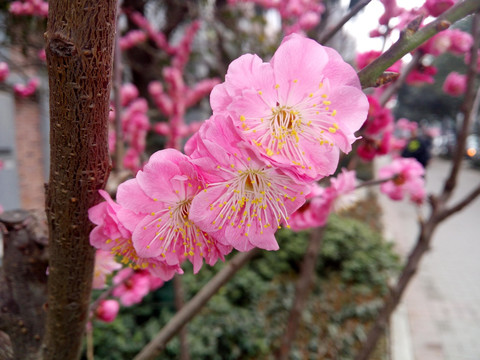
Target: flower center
x: 253, y: 198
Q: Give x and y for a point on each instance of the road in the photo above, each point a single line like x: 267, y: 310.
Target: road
x: 440, y: 311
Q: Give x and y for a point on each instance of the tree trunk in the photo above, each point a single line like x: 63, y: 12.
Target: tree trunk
x: 23, y: 285
x: 79, y: 47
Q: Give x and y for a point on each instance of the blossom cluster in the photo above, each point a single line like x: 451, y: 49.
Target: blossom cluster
x: 4, y: 71
x: 26, y: 90
x: 277, y: 127
x: 135, y: 125
x: 297, y: 15
x: 377, y: 131
x: 405, y: 178
x: 29, y: 7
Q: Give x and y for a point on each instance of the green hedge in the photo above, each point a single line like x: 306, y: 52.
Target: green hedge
x: 246, y: 318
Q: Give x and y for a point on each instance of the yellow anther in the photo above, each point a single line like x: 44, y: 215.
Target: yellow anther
x: 242, y: 118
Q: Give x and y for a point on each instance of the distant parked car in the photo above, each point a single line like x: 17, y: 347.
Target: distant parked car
x: 445, y: 144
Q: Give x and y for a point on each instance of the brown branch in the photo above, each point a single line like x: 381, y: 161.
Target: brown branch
x: 392, y: 301
x: 438, y: 214
x: 374, y: 182
x: 392, y: 89
x: 410, y: 40
x: 157, y: 345
x: 302, y: 290
x: 326, y: 36
x: 179, y: 304
x: 468, y: 113
x: 460, y: 205
x: 23, y: 282
x: 117, y: 85
x: 79, y: 47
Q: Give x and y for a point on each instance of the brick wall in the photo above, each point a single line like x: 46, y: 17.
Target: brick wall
x: 29, y: 154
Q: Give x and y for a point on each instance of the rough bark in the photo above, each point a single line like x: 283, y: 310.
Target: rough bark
x: 79, y: 47
x: 23, y: 285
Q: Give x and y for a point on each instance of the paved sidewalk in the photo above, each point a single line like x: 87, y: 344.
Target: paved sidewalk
x: 439, y: 318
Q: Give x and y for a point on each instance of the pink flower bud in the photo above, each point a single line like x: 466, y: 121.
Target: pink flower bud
x: 4, y: 71
x: 107, y: 310
x: 128, y: 93
x: 455, y: 84
x: 437, y: 7
x: 460, y: 41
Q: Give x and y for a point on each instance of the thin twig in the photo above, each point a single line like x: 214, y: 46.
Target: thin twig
x: 193, y: 307
x: 468, y: 110
x: 325, y: 37
x: 461, y: 204
x: 107, y: 293
x: 374, y: 182
x: 302, y: 290
x: 438, y: 214
x: 409, y: 41
x: 179, y: 304
x: 393, y: 88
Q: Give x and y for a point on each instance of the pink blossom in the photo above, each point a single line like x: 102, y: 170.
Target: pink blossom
x: 461, y: 41
x: 113, y: 232
x: 407, y: 174
x: 421, y: 75
x: 311, y: 213
x: 162, y: 194
x: 364, y: 59
x: 379, y: 118
x: 437, y: 7
x: 29, y: 7
x: 406, y: 125
x: 294, y: 110
x: 297, y: 15
x: 28, y: 89
x: 370, y: 147
x: 183, y: 49
x: 468, y: 58
x: 157, y: 37
x: 455, y: 84
x: 322, y: 201
x: 128, y: 93
x: 42, y: 55
x: 391, y: 11
x: 107, y: 310
x: 438, y: 44
x: 132, y: 38
x: 4, y: 71
x: 245, y: 200
x: 105, y: 265
x: 131, y: 286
